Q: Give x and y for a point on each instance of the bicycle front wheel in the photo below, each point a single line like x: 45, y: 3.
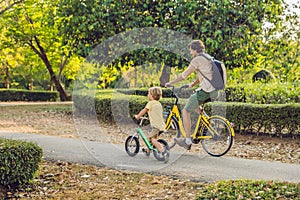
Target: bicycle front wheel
x: 220, y: 142
x: 132, y: 146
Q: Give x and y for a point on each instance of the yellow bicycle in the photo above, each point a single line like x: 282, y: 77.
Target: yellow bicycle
x: 215, y: 133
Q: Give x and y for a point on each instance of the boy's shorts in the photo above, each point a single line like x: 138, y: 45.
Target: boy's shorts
x: 154, y: 133
x: 198, y: 98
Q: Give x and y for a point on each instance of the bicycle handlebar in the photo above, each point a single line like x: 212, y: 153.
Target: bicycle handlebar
x: 140, y: 121
x: 184, y: 87
x: 179, y: 90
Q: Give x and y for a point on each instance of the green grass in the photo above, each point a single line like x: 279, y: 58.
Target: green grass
x: 250, y: 189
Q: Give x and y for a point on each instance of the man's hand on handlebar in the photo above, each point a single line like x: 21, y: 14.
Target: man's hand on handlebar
x: 168, y: 85
x: 186, y: 86
x: 182, y: 87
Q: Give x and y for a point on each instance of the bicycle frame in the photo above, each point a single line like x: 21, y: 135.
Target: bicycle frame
x: 202, y: 121
x: 140, y: 132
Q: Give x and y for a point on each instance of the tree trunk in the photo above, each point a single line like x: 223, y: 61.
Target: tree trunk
x: 51, y: 86
x: 165, y: 75
x: 42, y: 54
x: 62, y: 94
x: 135, y: 76
x: 31, y: 83
x: 7, y: 81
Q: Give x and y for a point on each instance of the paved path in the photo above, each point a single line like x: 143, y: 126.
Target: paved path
x: 184, y: 164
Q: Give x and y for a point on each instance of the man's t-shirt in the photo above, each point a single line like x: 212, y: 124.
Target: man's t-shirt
x: 199, y: 63
x: 155, y: 111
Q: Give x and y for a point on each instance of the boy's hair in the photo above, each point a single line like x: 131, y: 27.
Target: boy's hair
x: 156, y: 92
x: 198, y: 46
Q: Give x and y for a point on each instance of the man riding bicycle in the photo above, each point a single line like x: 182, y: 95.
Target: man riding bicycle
x: 203, y: 67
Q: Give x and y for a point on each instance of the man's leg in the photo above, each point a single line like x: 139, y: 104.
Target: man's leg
x: 191, y: 105
x: 186, y: 118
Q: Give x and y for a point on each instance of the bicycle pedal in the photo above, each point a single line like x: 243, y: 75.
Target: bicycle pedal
x: 195, y: 141
x: 147, y: 153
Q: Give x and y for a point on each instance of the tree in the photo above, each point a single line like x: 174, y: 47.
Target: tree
x: 226, y: 27
x: 34, y: 24
x: 5, y: 5
x: 231, y: 30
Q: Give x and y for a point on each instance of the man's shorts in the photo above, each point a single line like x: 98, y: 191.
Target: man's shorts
x: 198, y: 98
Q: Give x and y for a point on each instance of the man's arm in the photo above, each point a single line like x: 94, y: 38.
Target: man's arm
x: 179, y: 78
x: 224, y: 74
x: 182, y: 76
x: 194, y: 83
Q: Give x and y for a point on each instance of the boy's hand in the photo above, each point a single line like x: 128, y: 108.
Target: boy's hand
x: 136, y: 116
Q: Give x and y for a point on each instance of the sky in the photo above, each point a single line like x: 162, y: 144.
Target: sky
x: 291, y: 2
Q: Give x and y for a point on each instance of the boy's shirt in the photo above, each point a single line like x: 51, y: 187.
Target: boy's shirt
x: 155, y: 111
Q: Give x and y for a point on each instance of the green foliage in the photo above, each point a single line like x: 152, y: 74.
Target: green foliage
x: 27, y: 95
x: 264, y: 93
x: 104, y: 101
x: 273, y: 93
x: 249, y: 35
x: 235, y: 94
x: 250, y: 189
x: 243, y: 34
x: 18, y: 162
x: 234, y: 22
x: 259, y: 93
x: 273, y: 119
x: 32, y: 27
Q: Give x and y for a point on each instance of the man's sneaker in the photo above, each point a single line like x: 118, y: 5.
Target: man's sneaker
x: 181, y: 142
x: 146, y: 152
x: 166, y: 155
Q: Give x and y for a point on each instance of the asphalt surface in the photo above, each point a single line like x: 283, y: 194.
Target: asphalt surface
x: 184, y: 164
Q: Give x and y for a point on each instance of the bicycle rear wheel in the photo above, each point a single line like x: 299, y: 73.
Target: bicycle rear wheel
x: 171, y: 133
x: 159, y: 155
x: 220, y: 143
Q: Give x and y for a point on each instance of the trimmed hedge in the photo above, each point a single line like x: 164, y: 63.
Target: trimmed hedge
x: 274, y: 119
x: 19, y: 161
x: 258, y: 93
x: 27, y: 95
x: 250, y: 189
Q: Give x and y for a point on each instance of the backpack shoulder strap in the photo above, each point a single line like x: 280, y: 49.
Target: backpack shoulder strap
x: 206, y: 56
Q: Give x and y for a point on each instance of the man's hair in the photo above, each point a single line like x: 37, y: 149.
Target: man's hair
x: 198, y: 46
x: 156, y: 92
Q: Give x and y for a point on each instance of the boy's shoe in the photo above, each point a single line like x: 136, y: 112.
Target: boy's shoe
x: 146, y: 152
x: 166, y: 155
x: 181, y: 142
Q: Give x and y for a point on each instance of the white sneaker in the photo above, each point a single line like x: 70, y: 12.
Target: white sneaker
x: 181, y: 142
